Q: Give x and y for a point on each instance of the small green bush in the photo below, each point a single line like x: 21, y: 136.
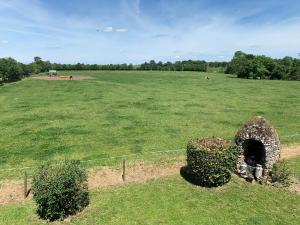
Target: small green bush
x: 210, y: 161
x: 60, y: 189
x: 280, y: 173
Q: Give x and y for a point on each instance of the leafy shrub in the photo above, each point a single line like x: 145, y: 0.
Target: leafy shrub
x: 60, y: 189
x: 280, y: 173
x: 210, y: 161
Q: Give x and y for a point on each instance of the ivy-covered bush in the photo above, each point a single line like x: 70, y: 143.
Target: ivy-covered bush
x: 281, y: 174
x: 210, y: 161
x: 60, y: 189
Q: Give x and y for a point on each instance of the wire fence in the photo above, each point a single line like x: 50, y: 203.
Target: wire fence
x: 136, y: 165
x: 153, y: 156
x: 105, y: 170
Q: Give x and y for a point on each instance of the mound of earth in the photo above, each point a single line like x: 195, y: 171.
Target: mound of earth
x: 64, y: 78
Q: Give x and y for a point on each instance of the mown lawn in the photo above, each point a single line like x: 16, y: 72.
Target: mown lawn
x: 134, y: 113
x: 174, y: 201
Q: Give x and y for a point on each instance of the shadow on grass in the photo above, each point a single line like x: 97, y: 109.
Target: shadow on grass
x: 9, y: 81
x: 188, y: 177
x: 192, y: 179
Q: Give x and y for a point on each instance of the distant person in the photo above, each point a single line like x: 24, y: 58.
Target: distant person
x: 71, y: 77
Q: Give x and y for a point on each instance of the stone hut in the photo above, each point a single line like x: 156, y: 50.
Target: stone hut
x: 258, y: 143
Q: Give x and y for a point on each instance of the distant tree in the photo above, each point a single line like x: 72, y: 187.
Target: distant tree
x: 295, y: 73
x: 93, y: 67
x: 37, y: 59
x: 130, y: 67
x: 242, y: 64
x: 39, y: 65
x: 178, y: 66
x: 278, y: 72
x: 263, y: 67
x: 152, y: 65
x: 160, y: 66
x: 287, y: 62
x: 168, y: 66
x: 78, y: 66
x: 10, y: 70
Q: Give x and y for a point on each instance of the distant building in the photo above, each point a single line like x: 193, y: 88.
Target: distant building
x: 52, y: 73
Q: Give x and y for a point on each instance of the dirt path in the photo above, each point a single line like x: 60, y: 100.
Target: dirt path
x: 290, y: 151
x: 138, y: 173
x: 12, y: 191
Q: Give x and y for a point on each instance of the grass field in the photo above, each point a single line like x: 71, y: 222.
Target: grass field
x: 134, y: 112
x: 174, y: 201
x: 119, y: 113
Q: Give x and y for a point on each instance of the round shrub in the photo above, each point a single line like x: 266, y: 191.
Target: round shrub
x: 281, y: 173
x: 210, y: 161
x: 60, y: 189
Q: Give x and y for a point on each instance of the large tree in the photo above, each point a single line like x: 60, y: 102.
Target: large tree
x: 10, y: 70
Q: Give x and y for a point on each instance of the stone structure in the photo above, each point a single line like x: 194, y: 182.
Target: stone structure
x: 258, y: 143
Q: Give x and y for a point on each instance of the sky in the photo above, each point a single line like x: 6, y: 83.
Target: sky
x: 134, y: 31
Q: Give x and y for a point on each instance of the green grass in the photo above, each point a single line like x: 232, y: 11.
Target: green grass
x: 294, y: 165
x: 121, y: 113
x: 134, y: 113
x: 174, y: 201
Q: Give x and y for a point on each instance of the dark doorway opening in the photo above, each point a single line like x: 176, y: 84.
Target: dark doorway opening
x: 254, y: 152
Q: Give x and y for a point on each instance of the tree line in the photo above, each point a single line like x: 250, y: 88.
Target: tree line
x: 262, y: 67
x: 189, y: 65
x: 243, y: 65
x: 11, y: 70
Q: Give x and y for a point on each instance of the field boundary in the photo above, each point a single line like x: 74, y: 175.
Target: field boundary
x: 149, y: 152
x: 101, y: 159
x: 13, y: 191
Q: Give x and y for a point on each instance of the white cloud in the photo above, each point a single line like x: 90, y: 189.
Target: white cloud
x: 121, y: 30
x: 33, y: 26
x: 111, y: 29
x: 108, y: 29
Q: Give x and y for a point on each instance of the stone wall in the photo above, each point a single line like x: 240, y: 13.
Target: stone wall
x: 259, y: 129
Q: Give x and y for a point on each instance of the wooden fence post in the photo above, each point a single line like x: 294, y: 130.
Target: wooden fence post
x: 25, y: 184
x: 124, y: 170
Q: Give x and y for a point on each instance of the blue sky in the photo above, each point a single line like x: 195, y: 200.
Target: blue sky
x: 133, y: 31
